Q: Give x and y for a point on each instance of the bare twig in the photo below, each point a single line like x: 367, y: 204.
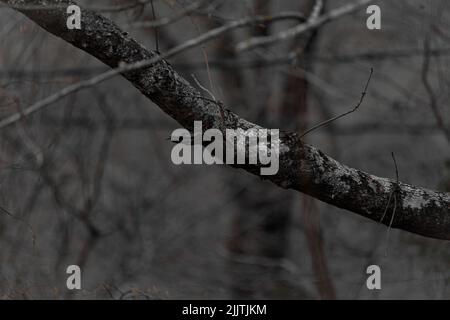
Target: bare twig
x: 395, y: 192
x: 3, y: 210
x: 363, y: 94
x: 432, y: 96
x: 316, y: 10
x: 203, y: 87
x: 217, y: 102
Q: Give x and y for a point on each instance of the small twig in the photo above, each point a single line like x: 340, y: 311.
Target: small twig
x: 396, y: 168
x: 204, y: 88
x: 395, y: 192
x: 390, y: 225
x: 316, y: 10
x: 386, y: 208
x: 3, y: 210
x: 397, y: 186
x: 363, y: 94
x: 429, y: 89
x: 27, y: 224
x: 156, y: 28
x: 105, y: 287
x: 219, y: 104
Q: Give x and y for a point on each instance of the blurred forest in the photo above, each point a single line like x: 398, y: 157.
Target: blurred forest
x: 89, y: 181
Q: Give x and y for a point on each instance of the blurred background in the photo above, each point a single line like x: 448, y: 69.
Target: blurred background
x: 89, y: 181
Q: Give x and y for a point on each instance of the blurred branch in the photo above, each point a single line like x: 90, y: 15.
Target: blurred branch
x: 304, y: 27
x: 432, y: 96
x: 169, y: 19
x: 22, y: 5
x: 87, y: 123
x: 234, y: 63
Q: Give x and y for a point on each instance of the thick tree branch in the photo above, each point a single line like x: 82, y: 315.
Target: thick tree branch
x: 302, y: 166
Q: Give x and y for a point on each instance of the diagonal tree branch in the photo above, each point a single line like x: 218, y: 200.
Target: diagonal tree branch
x: 302, y: 166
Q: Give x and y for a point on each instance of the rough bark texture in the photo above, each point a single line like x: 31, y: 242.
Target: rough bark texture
x: 302, y: 166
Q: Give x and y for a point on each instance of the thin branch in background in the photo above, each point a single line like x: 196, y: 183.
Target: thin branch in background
x: 431, y: 94
x: 205, y: 56
x: 317, y: 10
x: 302, y: 28
x: 155, y: 23
x: 396, y: 193
x: 105, y: 287
x: 217, y: 102
x: 396, y: 168
x: 363, y: 94
x: 3, y: 210
x: 387, y: 207
x: 156, y: 28
x: 21, y: 220
x: 204, y: 88
x: 393, y: 195
x: 111, y: 9
x: 264, y: 62
x: 124, y: 67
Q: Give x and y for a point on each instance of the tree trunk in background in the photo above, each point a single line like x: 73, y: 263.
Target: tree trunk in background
x: 259, y: 237
x: 295, y: 107
x: 260, y: 229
